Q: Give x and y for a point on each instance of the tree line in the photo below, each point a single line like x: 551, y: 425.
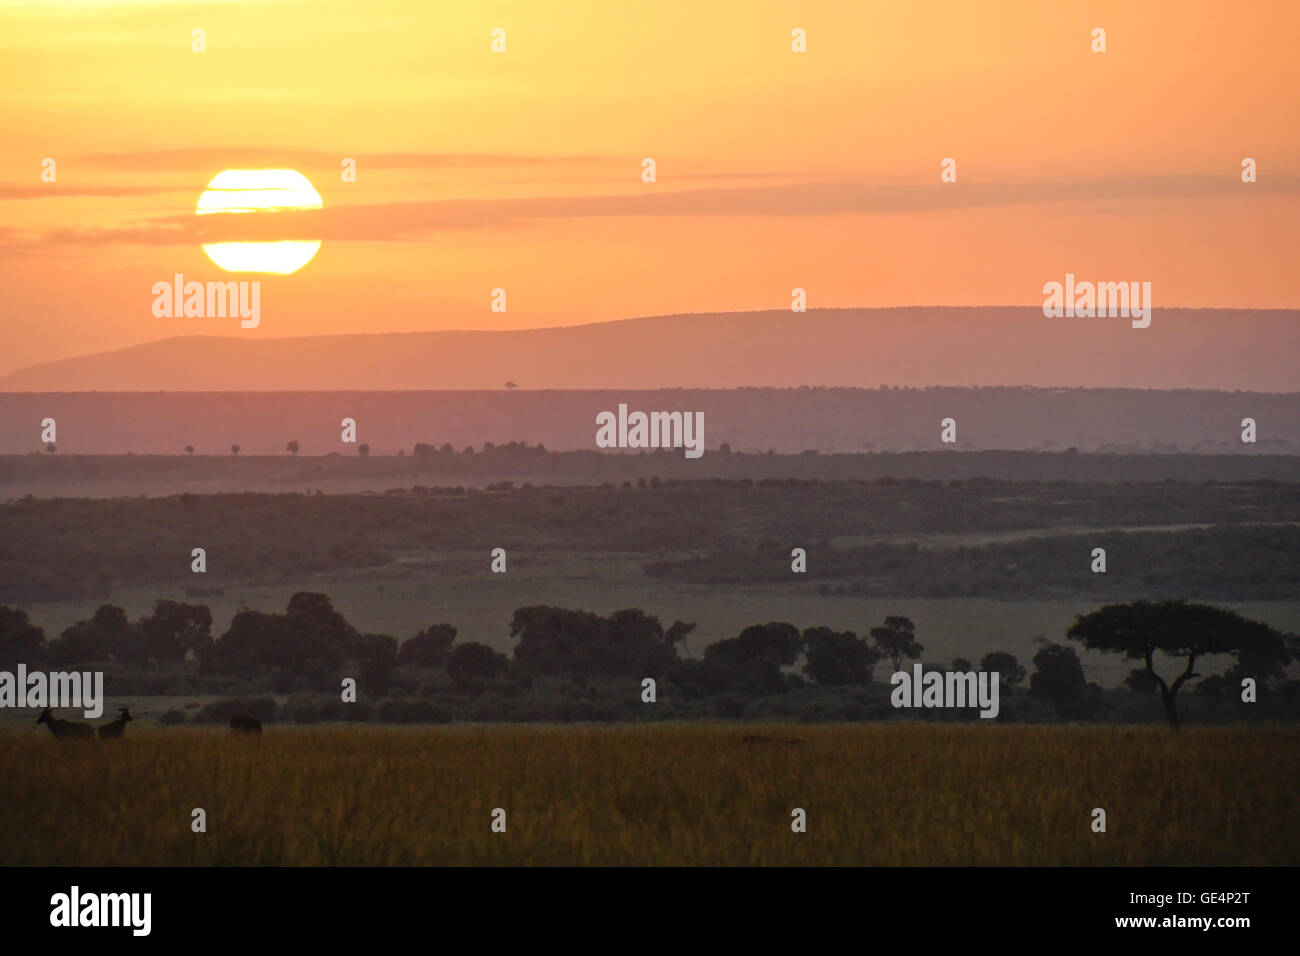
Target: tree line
x: 313, y: 645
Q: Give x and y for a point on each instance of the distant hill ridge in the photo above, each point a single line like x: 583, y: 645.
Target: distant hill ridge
x: 1226, y: 349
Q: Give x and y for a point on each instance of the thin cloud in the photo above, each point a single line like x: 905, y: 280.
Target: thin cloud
x: 56, y: 191
x: 412, y: 221
x: 203, y: 158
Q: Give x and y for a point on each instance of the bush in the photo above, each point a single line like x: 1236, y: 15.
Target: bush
x: 172, y: 718
x: 220, y: 711
x: 315, y: 708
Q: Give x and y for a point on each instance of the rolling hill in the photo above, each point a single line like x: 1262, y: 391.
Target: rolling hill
x: 1224, y: 349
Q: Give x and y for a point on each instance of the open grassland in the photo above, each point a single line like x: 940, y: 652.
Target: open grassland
x: 682, y: 794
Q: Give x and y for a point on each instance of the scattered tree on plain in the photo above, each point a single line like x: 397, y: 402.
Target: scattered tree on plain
x: 896, y: 640
x: 1180, y: 630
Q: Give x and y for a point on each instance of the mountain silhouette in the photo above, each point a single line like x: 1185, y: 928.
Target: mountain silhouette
x: 1225, y: 349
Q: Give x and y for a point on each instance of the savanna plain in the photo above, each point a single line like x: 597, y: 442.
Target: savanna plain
x: 716, y: 793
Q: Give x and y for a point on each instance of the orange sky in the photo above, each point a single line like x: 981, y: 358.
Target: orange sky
x: 522, y: 169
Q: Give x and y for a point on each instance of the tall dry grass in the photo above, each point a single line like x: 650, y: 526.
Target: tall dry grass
x: 665, y: 794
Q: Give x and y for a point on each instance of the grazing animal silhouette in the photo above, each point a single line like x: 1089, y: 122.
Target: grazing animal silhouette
x: 65, y: 729
x: 114, y: 728
x: 244, y: 724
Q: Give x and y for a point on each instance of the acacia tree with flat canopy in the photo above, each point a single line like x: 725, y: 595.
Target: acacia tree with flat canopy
x: 1178, y: 629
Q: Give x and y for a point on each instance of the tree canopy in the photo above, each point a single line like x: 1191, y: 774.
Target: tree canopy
x: 896, y: 639
x: 561, y: 641
x: 1181, y: 630
x: 838, y: 657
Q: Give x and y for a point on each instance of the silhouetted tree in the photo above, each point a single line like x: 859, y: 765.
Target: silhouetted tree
x: 311, y: 638
x: 234, y: 449
x: 21, y: 642
x: 758, y: 654
x: 838, y: 657
x: 475, y: 662
x: 254, y: 642
x: 376, y: 656
x: 110, y: 617
x: 174, y: 630
x: 896, y: 640
x: 1009, y: 670
x: 428, y: 648
x: 1058, y: 677
x: 629, y: 642
x: 638, y: 644
x: 1179, y: 629
x: 106, y: 636
x: 189, y: 449
x: 363, y: 449
x: 554, y: 640
x: 1265, y: 661
x: 292, y: 447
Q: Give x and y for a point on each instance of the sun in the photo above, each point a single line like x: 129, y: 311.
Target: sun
x: 237, y: 191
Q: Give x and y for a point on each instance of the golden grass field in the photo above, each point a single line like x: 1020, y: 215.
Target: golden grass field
x: 662, y: 794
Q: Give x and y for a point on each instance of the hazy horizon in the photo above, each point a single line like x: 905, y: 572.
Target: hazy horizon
x: 777, y: 167
x: 1226, y: 350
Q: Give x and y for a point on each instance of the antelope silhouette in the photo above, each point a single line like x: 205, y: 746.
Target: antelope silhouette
x: 65, y: 729
x: 244, y: 724
x: 114, y: 728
